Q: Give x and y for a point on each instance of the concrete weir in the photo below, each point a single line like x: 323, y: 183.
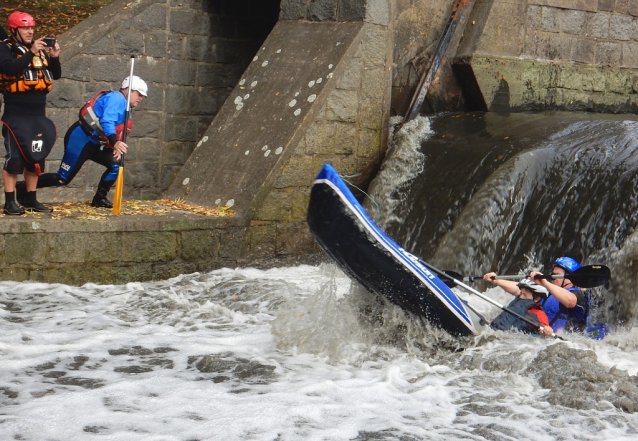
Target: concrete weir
x: 312, y: 92
x: 249, y: 98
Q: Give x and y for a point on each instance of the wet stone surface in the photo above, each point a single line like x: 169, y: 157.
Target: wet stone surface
x: 226, y: 367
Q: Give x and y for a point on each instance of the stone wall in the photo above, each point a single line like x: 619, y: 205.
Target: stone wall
x: 552, y: 54
x: 120, y: 250
x: 190, y: 52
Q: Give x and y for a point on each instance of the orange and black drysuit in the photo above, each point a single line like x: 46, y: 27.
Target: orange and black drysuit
x: 25, y: 81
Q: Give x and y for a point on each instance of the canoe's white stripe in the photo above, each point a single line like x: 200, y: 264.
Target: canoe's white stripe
x: 411, y: 261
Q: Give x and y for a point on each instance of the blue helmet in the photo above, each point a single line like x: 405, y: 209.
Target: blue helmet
x: 567, y: 263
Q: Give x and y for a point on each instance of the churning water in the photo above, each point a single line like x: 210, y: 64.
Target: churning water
x: 299, y: 353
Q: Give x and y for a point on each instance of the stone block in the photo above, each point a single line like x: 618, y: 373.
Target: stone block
x: 155, y: 44
x: 199, y: 245
x: 72, y: 248
x: 351, y: 77
x: 533, y: 17
x: 320, y: 138
x: 298, y: 172
x: 148, y: 246
x: 608, y: 54
x: 176, y: 47
x: 550, y: 21
x: 352, y: 10
x: 573, y: 22
x: 153, y: 18
x: 141, y: 174
x: 187, y: 22
x: 606, y: 5
x: 262, y: 240
x: 104, y: 46
x: 376, y: 83
x: 369, y: 144
x: 148, y: 149
x: 559, y: 47
x: 299, y: 200
x: 374, y: 47
x: 147, y: 124
x: 14, y: 274
x: 202, y: 48
x: 231, y: 242
x: 293, y: 10
x: 377, y: 12
x: 182, y: 73
x: 65, y: 94
x: 181, y: 128
x: 178, y: 99
x: 111, y: 69
x: 620, y: 27
x: 275, y: 207
x: 584, y: 50
x: 325, y: 10
x: 630, y: 55
x: 598, y: 26
x: 205, y: 102
x: 151, y: 69
x: 342, y: 106
x: 128, y: 42
x: 77, y: 68
x: 173, y: 153
x: 155, y: 99
x: 218, y: 75
x: 346, y: 139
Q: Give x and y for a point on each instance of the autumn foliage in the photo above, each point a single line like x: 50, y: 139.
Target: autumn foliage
x: 52, y: 17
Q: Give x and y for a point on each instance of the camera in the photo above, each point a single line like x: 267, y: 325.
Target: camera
x: 49, y: 41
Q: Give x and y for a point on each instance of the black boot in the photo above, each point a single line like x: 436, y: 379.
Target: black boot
x: 21, y: 192
x: 100, y: 200
x: 31, y: 203
x: 10, y: 206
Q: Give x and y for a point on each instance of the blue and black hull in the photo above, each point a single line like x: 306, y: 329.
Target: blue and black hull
x: 345, y: 231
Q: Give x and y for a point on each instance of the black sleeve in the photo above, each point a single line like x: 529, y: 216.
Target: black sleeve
x: 3, y: 34
x: 112, y: 139
x: 581, y: 298
x: 13, y: 66
x: 55, y: 67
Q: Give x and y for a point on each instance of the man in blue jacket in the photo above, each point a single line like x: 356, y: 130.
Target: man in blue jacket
x: 97, y: 136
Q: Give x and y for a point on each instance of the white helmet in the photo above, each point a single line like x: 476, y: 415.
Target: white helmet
x: 536, y: 290
x: 138, y: 84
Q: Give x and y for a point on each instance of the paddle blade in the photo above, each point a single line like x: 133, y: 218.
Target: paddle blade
x: 590, y: 276
x: 119, y: 188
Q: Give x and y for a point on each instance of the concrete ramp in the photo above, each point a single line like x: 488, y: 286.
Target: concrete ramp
x: 268, y: 114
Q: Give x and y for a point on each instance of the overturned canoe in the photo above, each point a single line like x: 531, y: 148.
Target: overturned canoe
x: 345, y: 231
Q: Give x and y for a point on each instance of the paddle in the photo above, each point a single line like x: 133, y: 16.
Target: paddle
x: 585, y: 277
x: 445, y: 275
x: 119, y: 183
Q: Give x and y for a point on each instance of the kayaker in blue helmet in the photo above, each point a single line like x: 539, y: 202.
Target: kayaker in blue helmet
x: 567, y: 305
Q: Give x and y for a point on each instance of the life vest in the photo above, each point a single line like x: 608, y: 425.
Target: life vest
x: 37, y: 76
x: 90, y: 122
x: 506, y: 321
x: 572, y: 319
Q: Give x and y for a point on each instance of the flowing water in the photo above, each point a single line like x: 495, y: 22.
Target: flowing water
x: 303, y: 353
